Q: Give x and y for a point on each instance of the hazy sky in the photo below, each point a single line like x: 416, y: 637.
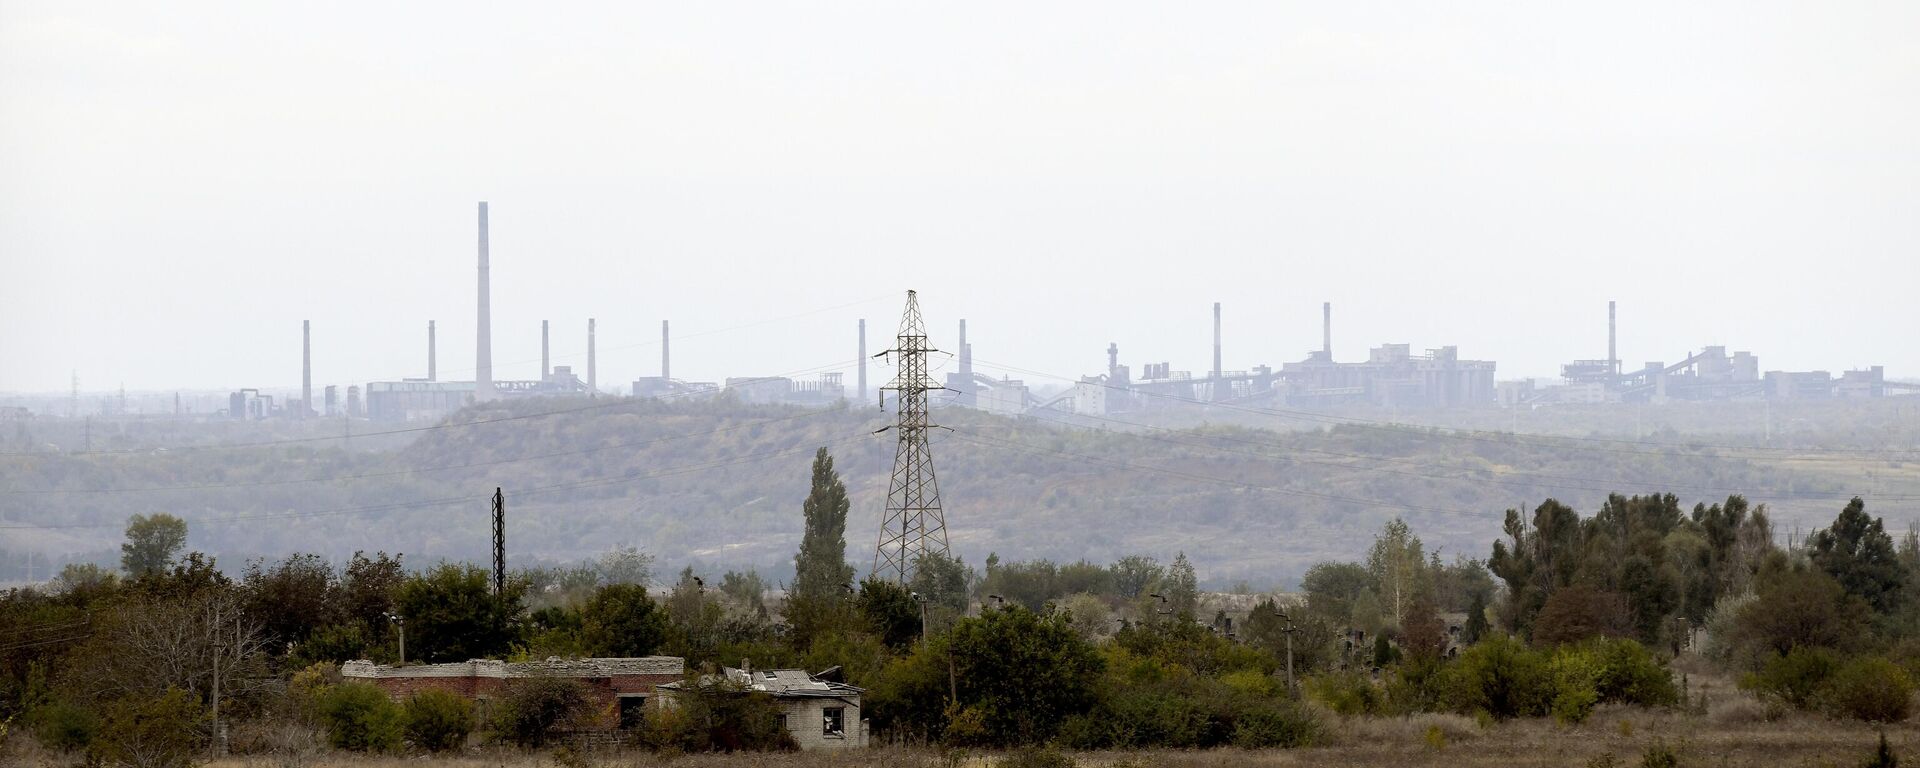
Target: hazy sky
x: 182, y: 184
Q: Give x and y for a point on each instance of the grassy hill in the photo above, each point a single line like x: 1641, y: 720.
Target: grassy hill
x: 720, y: 484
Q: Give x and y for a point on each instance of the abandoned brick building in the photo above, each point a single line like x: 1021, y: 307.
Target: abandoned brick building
x: 817, y: 710
x: 626, y: 684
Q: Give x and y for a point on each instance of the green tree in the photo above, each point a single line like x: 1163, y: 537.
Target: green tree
x: 1183, y: 588
x: 1136, y: 575
x: 152, y: 543
x: 1333, y: 587
x: 1857, y: 552
x: 821, y: 575
x: 1476, y: 626
x: 292, y: 598
x: 1799, y: 607
x: 890, y: 612
x: 452, y: 614
x: 1398, y: 566
x: 1017, y: 676
x: 621, y: 620
x: 151, y: 731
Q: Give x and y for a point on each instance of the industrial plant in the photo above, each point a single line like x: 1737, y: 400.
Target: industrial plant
x: 1390, y: 376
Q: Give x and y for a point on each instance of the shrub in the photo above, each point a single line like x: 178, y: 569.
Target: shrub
x: 1883, y: 756
x: 1576, y: 683
x: 438, y: 721
x: 534, y: 706
x: 162, y: 732
x: 1044, y: 757
x: 1499, y: 677
x: 1659, y: 755
x: 1795, y: 678
x: 1277, y: 724
x: 1347, y: 693
x: 1629, y: 674
x: 1872, y: 689
x: 360, y: 717
x: 63, y: 726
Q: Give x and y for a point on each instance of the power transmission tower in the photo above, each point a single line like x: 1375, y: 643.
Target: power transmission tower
x: 499, y: 544
x: 914, y: 524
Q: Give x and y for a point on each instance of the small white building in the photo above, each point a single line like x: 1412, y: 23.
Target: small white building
x: 818, y: 713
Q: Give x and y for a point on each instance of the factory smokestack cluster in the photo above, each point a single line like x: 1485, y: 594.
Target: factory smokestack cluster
x: 483, y: 352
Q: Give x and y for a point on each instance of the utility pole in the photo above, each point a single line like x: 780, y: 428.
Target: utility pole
x: 499, y: 544
x: 914, y: 525
x: 400, y: 621
x: 1288, y: 630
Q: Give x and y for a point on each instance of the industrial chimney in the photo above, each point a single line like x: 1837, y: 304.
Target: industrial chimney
x: 306, y: 368
x: 546, y: 366
x: 666, y: 360
x: 483, y: 353
x: 1326, y: 330
x: 593, y: 372
x: 433, y: 370
x: 1216, y: 341
x: 1613, y: 354
x: 966, y: 365
x: 862, y: 359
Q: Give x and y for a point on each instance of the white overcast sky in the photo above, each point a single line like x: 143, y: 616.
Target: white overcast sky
x: 182, y: 183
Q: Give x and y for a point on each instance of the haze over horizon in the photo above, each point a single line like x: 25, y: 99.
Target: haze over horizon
x: 180, y: 188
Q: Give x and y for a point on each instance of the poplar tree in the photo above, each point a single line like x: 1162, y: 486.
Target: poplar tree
x: 821, y: 575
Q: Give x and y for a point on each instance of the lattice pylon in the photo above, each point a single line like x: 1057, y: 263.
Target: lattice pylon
x: 914, y: 524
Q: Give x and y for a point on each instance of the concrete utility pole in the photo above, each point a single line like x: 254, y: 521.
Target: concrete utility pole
x: 1288, y: 630
x: 400, y: 622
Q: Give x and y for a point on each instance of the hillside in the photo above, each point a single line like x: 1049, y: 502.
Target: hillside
x: 720, y: 483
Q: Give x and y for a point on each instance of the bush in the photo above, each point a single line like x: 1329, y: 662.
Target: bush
x: 1872, y: 689
x: 161, y: 732
x: 1576, y: 684
x: 438, y: 721
x: 1030, y: 757
x: 1629, y: 674
x: 1279, y: 724
x: 360, y: 717
x: 534, y: 706
x: 1499, y: 677
x: 1347, y: 693
x: 1795, y: 679
x: 63, y: 726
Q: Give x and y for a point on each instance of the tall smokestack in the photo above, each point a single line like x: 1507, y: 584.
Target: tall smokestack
x: 306, y: 368
x: 546, y: 366
x: 1326, y: 330
x: 483, y: 352
x: 966, y: 365
x: 593, y: 372
x: 1216, y: 340
x: 433, y: 368
x: 1613, y: 355
x: 862, y: 359
x: 666, y: 360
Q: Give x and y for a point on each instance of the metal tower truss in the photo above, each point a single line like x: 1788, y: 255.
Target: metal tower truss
x: 914, y: 524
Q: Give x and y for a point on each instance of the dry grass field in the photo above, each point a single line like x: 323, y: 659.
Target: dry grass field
x: 1735, y: 732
